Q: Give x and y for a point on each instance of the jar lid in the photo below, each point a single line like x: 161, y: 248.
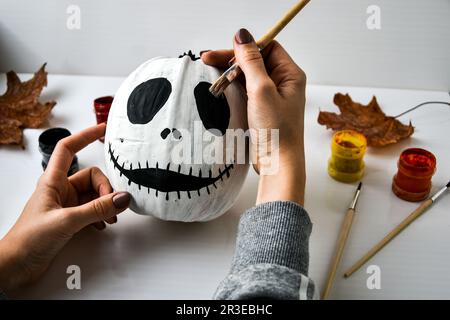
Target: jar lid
x: 408, y: 195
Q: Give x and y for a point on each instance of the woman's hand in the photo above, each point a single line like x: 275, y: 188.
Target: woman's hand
x: 59, y: 207
x: 276, y: 100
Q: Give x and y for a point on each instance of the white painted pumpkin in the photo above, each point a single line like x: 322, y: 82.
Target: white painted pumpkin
x: 154, y: 111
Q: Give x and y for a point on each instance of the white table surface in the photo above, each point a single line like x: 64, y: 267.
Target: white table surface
x: 142, y: 257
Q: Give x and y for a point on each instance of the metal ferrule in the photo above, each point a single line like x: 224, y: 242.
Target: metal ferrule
x: 438, y: 194
x: 355, y: 200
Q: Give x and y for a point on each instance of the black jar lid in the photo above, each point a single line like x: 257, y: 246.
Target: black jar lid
x: 50, y: 137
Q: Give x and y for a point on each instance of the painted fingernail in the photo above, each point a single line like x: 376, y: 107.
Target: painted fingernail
x: 121, y: 200
x: 100, y: 225
x: 203, y: 51
x: 243, y: 36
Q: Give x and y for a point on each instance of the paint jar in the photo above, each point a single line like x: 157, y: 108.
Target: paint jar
x: 347, y: 151
x: 415, y: 170
x: 47, y: 143
x: 101, y: 109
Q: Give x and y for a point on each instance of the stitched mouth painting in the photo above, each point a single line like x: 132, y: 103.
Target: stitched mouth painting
x: 173, y: 145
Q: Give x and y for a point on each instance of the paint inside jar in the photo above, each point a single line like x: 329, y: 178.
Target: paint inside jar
x: 412, y: 181
x: 347, y: 151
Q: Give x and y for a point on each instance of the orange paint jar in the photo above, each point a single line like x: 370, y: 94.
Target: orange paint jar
x: 415, y: 170
x: 347, y: 151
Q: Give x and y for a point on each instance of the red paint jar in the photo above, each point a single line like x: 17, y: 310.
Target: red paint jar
x: 101, y: 109
x: 415, y: 170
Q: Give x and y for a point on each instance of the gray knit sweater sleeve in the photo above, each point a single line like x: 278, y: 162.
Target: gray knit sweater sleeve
x: 272, y: 255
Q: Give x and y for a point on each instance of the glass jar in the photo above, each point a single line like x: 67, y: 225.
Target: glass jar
x: 347, y: 151
x: 102, y: 106
x: 47, y: 143
x: 412, y: 181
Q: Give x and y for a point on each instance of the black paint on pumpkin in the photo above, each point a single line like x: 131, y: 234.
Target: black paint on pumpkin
x: 166, y: 180
x: 190, y: 55
x: 147, y: 99
x: 165, y: 133
x: 214, y: 112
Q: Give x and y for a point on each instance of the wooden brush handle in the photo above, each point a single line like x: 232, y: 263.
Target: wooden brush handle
x: 340, y: 245
x: 273, y: 32
x: 233, y: 72
x: 391, y: 235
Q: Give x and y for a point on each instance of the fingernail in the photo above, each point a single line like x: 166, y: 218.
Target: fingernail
x: 243, y: 36
x: 121, y: 200
x: 203, y: 51
x: 99, y: 225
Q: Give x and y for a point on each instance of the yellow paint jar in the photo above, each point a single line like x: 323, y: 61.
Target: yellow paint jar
x: 347, y: 151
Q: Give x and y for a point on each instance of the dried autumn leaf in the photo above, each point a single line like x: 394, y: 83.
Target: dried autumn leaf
x: 10, y: 132
x: 379, y: 129
x: 20, y: 107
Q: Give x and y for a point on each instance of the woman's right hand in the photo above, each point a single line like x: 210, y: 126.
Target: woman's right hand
x: 276, y: 100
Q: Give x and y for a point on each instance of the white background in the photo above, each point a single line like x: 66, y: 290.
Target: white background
x: 141, y: 257
x: 329, y: 39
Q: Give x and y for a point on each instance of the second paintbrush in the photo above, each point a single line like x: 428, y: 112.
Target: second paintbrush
x: 342, y: 239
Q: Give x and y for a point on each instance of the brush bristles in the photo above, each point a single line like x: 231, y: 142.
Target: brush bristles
x: 219, y: 86
x: 359, y: 186
x: 448, y: 185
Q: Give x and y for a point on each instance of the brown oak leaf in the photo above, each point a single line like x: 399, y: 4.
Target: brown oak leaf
x: 10, y: 131
x: 20, y: 107
x: 379, y: 129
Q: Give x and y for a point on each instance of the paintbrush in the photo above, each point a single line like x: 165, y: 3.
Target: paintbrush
x: 343, y: 235
x: 406, y: 222
x: 219, y: 86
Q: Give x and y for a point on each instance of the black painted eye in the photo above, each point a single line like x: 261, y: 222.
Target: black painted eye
x: 147, y: 99
x: 214, y: 112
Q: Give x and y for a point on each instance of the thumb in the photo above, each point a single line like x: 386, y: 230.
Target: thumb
x: 250, y: 60
x: 99, y: 209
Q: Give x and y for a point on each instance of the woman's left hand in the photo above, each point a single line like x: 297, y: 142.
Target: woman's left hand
x: 59, y: 207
